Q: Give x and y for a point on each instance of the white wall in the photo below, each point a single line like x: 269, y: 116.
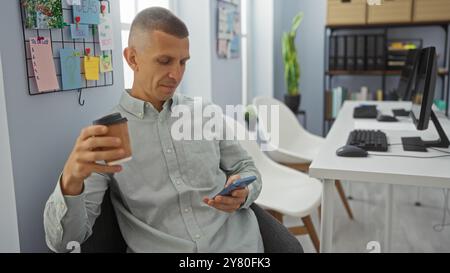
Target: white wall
x: 9, y: 233
x: 198, y: 76
x: 262, y: 50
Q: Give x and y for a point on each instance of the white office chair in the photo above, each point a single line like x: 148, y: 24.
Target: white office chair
x: 297, y: 148
x: 285, y: 191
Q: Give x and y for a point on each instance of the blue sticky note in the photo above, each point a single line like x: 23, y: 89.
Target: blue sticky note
x: 80, y: 32
x: 70, y: 68
x: 88, y: 11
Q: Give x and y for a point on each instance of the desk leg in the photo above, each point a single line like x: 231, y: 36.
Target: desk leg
x: 388, y: 220
x: 326, y: 229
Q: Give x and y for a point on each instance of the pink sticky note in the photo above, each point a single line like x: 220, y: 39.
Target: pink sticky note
x: 43, y: 65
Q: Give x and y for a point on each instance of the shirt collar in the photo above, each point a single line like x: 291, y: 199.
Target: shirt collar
x: 137, y: 107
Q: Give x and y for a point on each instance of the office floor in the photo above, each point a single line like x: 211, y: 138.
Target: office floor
x: 412, y: 226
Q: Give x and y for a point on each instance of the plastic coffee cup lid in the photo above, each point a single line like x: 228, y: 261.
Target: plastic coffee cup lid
x: 110, y: 119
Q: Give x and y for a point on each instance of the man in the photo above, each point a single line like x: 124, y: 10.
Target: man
x: 160, y: 196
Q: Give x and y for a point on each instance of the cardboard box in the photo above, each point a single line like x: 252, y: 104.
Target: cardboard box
x: 346, y: 12
x: 390, y: 11
x: 431, y: 10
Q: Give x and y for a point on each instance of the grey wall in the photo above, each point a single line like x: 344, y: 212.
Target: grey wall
x: 207, y: 76
x: 310, y: 53
x: 226, y: 73
x: 310, y: 45
x: 42, y: 129
x: 9, y: 233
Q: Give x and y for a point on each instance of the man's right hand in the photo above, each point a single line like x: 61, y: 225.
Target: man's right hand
x: 91, y: 146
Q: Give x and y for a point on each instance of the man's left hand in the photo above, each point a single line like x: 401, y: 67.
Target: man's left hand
x: 229, y: 203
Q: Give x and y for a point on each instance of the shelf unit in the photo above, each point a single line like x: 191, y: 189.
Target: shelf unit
x: 443, y: 73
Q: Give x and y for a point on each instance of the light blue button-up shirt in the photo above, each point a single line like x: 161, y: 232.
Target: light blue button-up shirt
x: 158, y: 195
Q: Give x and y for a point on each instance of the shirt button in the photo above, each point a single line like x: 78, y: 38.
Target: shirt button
x: 197, y: 236
x: 178, y: 183
x: 186, y: 210
x: 169, y: 150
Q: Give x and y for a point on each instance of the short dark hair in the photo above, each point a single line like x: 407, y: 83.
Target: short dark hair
x: 161, y: 19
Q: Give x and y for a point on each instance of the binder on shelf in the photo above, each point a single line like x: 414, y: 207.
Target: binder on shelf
x: 338, y: 97
x: 333, y: 53
x: 340, y: 65
x: 328, y: 105
x: 351, y: 53
x: 360, y: 52
x: 370, y: 56
x: 380, y: 62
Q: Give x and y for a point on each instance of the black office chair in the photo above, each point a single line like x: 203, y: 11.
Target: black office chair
x: 106, y: 236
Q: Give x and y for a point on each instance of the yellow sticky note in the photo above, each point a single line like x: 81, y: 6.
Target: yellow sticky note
x: 91, y: 68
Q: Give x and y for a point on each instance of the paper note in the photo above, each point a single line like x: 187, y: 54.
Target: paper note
x: 70, y: 68
x: 105, y: 63
x: 88, y: 12
x: 73, y: 2
x: 91, y: 68
x: 223, y: 48
x: 43, y: 64
x: 105, y: 33
x: 43, y: 14
x: 80, y: 32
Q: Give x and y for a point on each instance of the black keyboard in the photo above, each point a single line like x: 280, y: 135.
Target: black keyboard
x: 400, y: 113
x: 368, y: 111
x: 369, y: 140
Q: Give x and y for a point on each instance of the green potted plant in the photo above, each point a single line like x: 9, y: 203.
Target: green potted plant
x: 251, y: 117
x: 291, y: 65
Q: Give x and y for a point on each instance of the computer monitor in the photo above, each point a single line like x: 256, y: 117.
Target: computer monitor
x: 406, y: 85
x: 405, y: 89
x: 422, y: 113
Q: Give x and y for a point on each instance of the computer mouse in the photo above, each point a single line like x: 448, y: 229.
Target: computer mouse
x: 386, y: 118
x: 351, y: 151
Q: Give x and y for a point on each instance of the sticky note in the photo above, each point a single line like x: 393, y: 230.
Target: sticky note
x: 105, y: 63
x: 91, y: 68
x: 88, y: 12
x: 105, y: 33
x: 70, y: 68
x: 43, y: 64
x: 80, y: 32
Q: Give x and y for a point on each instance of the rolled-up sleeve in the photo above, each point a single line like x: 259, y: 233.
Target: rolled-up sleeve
x: 71, y: 218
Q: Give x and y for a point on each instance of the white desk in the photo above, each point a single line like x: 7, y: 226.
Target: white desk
x: 390, y: 170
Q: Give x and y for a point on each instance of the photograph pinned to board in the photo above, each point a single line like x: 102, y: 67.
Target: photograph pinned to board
x: 43, y: 14
x: 43, y: 65
x: 88, y: 12
x: 228, y: 29
x: 106, y: 63
x: 70, y: 68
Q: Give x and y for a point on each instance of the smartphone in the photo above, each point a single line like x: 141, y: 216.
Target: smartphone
x: 238, y: 184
